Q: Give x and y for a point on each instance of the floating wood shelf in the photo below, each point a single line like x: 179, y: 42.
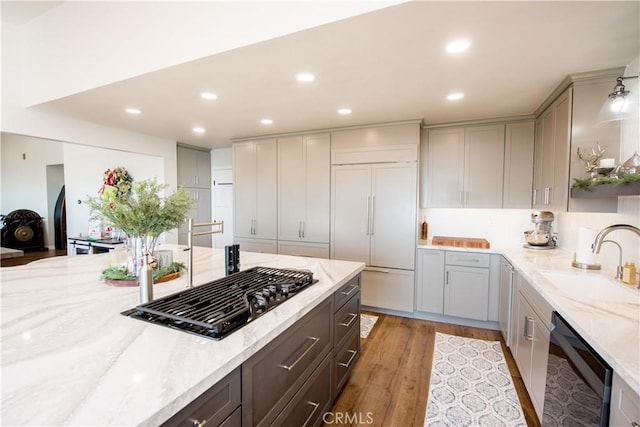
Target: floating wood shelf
x: 607, y: 190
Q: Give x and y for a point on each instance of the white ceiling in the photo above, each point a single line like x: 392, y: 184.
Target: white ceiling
x: 387, y: 65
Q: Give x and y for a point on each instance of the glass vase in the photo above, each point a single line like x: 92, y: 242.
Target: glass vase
x: 138, y: 247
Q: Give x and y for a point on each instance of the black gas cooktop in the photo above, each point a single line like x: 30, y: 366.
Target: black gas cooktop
x: 218, y: 308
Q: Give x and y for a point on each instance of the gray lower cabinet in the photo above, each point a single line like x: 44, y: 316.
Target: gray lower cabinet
x: 454, y: 284
x: 220, y: 405
x: 346, y: 336
x: 272, y: 377
x: 294, y: 379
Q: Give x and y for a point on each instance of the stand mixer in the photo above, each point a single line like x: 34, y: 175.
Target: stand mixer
x: 541, y: 237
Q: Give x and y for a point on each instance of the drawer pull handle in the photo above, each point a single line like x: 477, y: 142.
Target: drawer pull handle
x: 310, y: 417
x: 304, y: 353
x: 377, y: 270
x: 354, y: 316
x: 197, y: 423
x: 353, y: 356
x: 353, y: 288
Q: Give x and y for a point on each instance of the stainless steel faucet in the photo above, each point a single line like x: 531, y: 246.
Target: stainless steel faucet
x: 597, y: 243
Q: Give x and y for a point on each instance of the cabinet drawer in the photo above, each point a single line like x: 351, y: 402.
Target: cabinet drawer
x: 467, y: 259
x: 346, y: 291
x: 234, y: 420
x: 272, y: 376
x: 346, y: 319
x: 311, y: 402
x: 345, y: 359
x: 213, y: 406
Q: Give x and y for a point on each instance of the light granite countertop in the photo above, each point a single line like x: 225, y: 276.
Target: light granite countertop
x: 70, y: 358
x: 606, y: 313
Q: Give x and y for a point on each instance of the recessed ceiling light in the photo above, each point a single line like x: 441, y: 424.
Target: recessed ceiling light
x: 458, y: 46
x: 208, y: 95
x: 305, y: 77
x: 198, y: 129
x: 455, y: 96
x: 344, y: 111
x: 266, y: 121
x: 132, y: 110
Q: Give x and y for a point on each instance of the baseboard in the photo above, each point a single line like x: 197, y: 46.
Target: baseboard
x: 436, y: 318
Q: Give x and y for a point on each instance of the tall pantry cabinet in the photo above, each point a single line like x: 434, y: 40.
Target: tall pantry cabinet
x: 374, y: 208
x: 303, y: 195
x: 254, y: 201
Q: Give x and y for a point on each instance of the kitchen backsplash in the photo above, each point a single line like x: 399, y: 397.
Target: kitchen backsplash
x: 505, y: 227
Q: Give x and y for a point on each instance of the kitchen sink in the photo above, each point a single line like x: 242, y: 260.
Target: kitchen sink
x: 591, y: 285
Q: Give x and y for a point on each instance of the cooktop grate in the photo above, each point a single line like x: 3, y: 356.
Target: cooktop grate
x: 218, y: 308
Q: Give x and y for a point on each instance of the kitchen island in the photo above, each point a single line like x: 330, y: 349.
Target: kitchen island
x: 70, y: 358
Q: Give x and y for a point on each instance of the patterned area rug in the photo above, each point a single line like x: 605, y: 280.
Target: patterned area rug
x: 568, y: 401
x: 471, y: 385
x: 366, y: 324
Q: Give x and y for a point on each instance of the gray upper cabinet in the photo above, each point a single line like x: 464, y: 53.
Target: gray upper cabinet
x: 194, y: 173
x: 518, y: 165
x: 194, y: 168
x: 465, y: 167
x: 551, y: 157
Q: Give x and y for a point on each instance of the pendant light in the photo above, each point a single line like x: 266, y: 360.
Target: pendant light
x: 621, y: 104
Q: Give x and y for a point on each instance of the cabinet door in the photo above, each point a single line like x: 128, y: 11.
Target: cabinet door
x: 484, y: 166
x: 265, y: 226
x: 203, y: 215
x: 244, y: 188
x: 466, y: 292
x: 430, y: 281
x: 445, y: 167
x: 518, y: 165
x: 561, y: 140
x: 203, y: 169
x: 201, y: 212
x: 538, y: 163
x: 186, y: 158
x: 539, y: 360
x: 317, y: 161
x: 291, y: 188
x: 524, y: 340
x: 350, y: 212
x: 393, y: 218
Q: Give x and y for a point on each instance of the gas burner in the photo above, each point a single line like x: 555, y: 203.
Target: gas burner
x: 218, y: 308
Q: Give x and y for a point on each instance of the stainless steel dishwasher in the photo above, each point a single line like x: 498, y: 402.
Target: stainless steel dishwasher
x: 578, y: 384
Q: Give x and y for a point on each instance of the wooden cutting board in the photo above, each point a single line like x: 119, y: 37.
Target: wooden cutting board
x: 460, y: 242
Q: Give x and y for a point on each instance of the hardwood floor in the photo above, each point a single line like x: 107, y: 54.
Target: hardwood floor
x: 31, y: 256
x: 389, y: 385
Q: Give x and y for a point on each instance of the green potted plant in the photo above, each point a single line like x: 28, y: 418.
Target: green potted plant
x: 143, y: 215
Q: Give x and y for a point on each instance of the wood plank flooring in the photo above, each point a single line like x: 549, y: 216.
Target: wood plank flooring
x: 389, y: 385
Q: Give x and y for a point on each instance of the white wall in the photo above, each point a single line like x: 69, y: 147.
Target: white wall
x: 23, y: 181
x: 83, y: 172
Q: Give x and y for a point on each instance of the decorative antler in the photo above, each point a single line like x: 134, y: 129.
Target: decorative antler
x: 591, y: 160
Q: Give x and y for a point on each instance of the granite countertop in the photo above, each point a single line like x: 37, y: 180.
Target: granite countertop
x: 70, y: 358
x: 606, y: 313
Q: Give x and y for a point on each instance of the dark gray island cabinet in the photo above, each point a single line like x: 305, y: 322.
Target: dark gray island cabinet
x: 295, y: 378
